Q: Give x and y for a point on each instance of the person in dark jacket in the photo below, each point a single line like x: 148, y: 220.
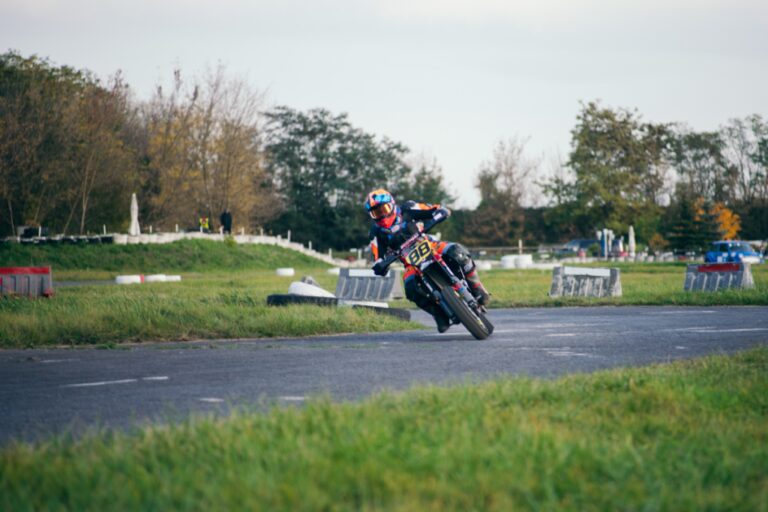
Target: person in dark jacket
x: 389, y: 231
x: 226, y: 221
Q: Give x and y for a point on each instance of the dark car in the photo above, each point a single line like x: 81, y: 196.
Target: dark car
x: 727, y: 251
x: 573, y: 247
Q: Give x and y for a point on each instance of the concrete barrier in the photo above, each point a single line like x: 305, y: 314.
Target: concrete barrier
x: 718, y: 276
x: 585, y: 282
x: 26, y: 281
x: 364, y: 285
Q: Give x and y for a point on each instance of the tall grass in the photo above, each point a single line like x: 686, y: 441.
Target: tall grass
x: 685, y: 436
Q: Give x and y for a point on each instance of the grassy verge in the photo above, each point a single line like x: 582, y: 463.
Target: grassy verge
x: 200, y: 307
x: 184, y: 256
x: 642, y: 284
x: 685, y: 436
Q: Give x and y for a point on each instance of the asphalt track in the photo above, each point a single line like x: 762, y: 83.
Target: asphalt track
x: 44, y: 392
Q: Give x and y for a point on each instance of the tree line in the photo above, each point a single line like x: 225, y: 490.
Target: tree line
x: 73, y: 148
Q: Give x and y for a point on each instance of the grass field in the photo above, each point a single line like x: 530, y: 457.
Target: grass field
x: 690, y: 435
x: 223, y: 294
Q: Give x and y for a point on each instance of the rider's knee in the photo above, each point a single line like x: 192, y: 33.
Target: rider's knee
x: 412, y: 291
x: 460, y: 255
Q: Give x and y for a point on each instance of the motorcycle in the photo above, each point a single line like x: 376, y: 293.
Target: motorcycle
x: 449, y: 290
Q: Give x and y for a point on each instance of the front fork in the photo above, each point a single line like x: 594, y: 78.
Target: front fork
x: 457, y: 284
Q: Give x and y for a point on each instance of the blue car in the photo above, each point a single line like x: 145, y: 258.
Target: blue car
x: 732, y: 251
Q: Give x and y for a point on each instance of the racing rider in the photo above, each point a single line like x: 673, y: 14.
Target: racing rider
x: 390, y: 228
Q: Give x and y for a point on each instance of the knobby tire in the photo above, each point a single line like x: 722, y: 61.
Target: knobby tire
x: 475, y: 323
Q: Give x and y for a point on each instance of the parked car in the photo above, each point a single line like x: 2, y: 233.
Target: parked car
x: 573, y: 247
x: 724, y: 251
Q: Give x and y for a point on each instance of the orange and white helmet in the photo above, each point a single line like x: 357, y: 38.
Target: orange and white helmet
x: 381, y: 206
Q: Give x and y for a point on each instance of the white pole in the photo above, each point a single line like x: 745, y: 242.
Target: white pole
x: 289, y: 235
x: 520, y: 247
x: 310, y: 245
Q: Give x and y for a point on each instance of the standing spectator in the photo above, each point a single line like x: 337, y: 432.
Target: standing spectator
x: 226, y: 221
x: 205, y: 226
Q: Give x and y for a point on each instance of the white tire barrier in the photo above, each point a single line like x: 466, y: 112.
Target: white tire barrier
x: 155, y: 278
x: 285, y: 272
x: 129, y: 279
x: 308, y: 290
x: 483, y: 265
x: 508, y: 261
x: 334, y: 271
x: 585, y: 282
x: 718, y: 276
x: 172, y: 279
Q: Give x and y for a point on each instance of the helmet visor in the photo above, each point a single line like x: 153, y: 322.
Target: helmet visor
x: 381, y: 210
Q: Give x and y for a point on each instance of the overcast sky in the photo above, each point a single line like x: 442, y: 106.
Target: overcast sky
x: 448, y: 78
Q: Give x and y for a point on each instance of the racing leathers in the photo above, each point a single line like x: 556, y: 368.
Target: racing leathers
x: 456, y: 255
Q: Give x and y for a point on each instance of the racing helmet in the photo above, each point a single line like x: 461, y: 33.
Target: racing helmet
x: 381, y: 206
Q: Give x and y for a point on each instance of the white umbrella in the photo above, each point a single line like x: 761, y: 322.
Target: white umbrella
x: 134, y: 230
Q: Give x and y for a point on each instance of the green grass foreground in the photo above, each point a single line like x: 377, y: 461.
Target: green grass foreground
x: 691, y: 435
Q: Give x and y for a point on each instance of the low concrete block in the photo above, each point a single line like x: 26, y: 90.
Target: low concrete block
x: 585, y: 282
x: 26, y: 281
x: 713, y: 277
x: 364, y: 285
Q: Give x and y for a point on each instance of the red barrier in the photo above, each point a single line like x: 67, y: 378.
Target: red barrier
x: 720, y: 267
x: 25, y: 270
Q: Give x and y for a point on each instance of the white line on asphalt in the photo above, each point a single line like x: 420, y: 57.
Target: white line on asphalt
x: 109, y: 382
x: 707, y: 330
x: 680, y: 347
x: 567, y: 353
x: 48, y: 361
x: 694, y: 312
x: 293, y: 398
x: 561, y: 335
x: 101, y: 383
x: 211, y: 400
x: 735, y: 330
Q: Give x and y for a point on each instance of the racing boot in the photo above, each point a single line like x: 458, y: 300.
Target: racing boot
x: 477, y: 288
x: 441, y: 319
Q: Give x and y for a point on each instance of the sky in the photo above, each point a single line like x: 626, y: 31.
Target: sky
x: 447, y: 78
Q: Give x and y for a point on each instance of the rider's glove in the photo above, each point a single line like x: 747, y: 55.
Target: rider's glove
x: 380, y: 267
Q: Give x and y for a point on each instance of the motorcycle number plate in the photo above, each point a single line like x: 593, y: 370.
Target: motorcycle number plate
x: 419, y: 253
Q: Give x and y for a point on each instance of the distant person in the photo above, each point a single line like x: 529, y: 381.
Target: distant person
x: 226, y: 221
x: 205, y: 226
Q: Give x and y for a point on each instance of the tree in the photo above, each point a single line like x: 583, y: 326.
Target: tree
x: 502, y: 182
x: 322, y: 166
x: 698, y: 159
x: 60, y: 144
x: 728, y: 223
x: 619, y: 172
x: 693, y: 226
x: 426, y: 183
x: 204, y: 152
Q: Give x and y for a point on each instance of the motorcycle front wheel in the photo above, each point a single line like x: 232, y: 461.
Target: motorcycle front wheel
x: 475, y: 322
